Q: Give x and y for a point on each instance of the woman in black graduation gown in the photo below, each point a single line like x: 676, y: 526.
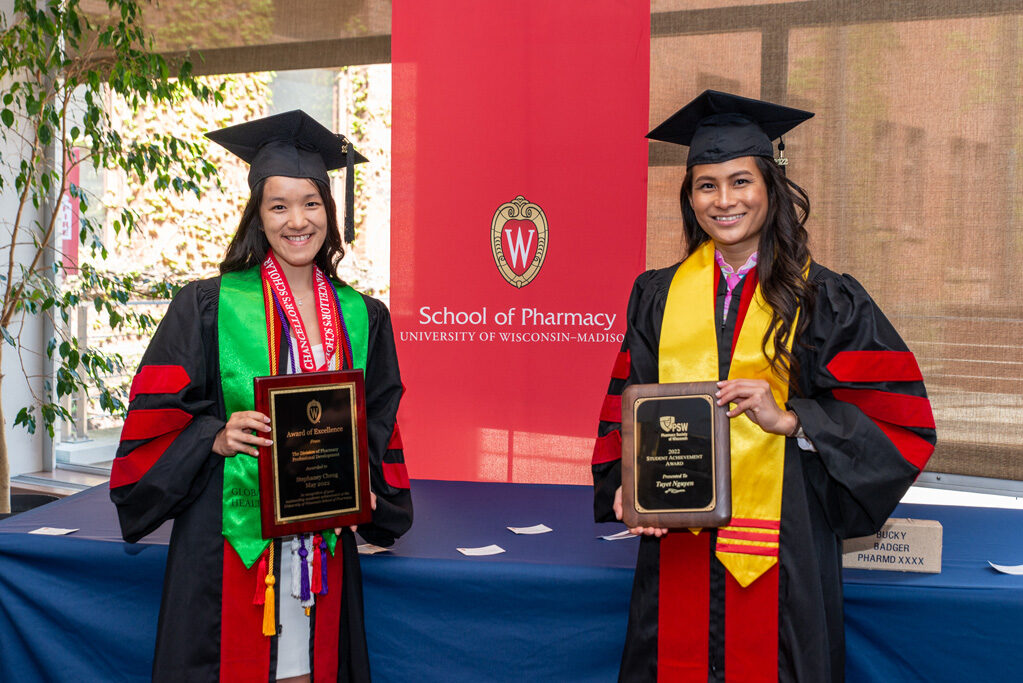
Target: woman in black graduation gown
x: 830, y: 423
x: 191, y: 431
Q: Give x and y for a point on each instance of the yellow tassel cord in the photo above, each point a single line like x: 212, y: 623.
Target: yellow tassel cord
x: 269, y: 618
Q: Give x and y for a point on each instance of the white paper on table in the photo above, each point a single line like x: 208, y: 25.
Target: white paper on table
x: 52, y: 531
x: 1005, y: 569
x: 535, y: 529
x: 621, y: 535
x: 370, y: 549
x: 485, y: 550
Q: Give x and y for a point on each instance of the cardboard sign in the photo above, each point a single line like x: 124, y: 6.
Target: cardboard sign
x: 902, y: 545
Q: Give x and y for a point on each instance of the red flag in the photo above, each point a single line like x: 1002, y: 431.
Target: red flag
x: 70, y: 214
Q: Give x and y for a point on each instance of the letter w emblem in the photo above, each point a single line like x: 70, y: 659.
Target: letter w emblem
x: 518, y: 249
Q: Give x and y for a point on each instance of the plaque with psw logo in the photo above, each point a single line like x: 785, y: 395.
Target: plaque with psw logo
x: 315, y: 475
x: 676, y: 459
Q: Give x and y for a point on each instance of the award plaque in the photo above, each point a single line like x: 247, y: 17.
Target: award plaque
x: 316, y: 474
x: 676, y: 468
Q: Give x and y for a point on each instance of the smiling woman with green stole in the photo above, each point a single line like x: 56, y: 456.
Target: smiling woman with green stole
x: 829, y: 419
x: 189, y: 440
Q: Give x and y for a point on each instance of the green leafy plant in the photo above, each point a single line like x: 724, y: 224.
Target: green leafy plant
x: 61, y: 64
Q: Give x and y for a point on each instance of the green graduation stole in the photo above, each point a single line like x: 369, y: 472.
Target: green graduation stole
x: 244, y: 354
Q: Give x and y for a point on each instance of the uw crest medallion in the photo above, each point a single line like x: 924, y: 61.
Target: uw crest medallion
x: 313, y: 411
x: 518, y: 238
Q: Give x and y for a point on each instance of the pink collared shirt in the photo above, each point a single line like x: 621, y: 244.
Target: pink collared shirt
x: 733, y: 277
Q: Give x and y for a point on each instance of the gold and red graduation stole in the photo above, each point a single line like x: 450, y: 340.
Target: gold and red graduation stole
x: 748, y: 546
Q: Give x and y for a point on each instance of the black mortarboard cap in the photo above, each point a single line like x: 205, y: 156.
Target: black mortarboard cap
x: 719, y: 126
x: 295, y: 145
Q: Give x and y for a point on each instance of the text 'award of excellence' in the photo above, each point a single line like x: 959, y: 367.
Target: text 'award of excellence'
x: 676, y: 466
x: 316, y: 474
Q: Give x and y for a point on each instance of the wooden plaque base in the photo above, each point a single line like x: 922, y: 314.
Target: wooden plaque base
x: 676, y: 460
x: 316, y: 474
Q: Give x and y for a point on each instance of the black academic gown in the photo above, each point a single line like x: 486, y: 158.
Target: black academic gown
x: 173, y: 474
x: 847, y: 488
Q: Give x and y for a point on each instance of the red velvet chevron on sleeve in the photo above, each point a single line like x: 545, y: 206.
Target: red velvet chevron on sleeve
x: 621, y: 367
x: 395, y: 442
x: 148, y: 424
x: 159, y: 379
x: 396, y: 475
x: 129, y: 468
x: 159, y: 427
x: 899, y: 409
x: 607, y: 448
x: 611, y: 410
x: 915, y: 450
x: 875, y: 366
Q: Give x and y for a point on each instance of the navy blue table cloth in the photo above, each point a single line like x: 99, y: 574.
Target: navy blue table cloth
x: 553, y: 607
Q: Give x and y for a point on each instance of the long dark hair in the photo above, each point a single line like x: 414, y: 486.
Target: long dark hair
x: 249, y: 245
x: 783, y: 254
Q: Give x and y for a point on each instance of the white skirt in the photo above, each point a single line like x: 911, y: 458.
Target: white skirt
x: 293, y: 643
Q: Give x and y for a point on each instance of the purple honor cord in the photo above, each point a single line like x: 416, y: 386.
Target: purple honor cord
x: 323, y: 565
x: 304, y: 568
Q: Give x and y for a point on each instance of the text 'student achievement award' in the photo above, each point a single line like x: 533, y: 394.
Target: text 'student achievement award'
x: 316, y: 474
x: 676, y: 466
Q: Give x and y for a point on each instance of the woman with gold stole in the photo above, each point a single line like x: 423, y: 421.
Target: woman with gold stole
x: 830, y: 423
x: 188, y: 441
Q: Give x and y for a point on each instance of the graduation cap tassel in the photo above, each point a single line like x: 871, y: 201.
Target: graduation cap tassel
x: 310, y: 599
x: 781, y: 160
x: 349, y: 193
x: 260, y: 595
x: 269, y: 616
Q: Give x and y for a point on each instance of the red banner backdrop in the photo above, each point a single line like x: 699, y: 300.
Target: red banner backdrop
x: 518, y: 210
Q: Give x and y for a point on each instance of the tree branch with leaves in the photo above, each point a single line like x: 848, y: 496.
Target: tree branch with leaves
x: 60, y: 68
